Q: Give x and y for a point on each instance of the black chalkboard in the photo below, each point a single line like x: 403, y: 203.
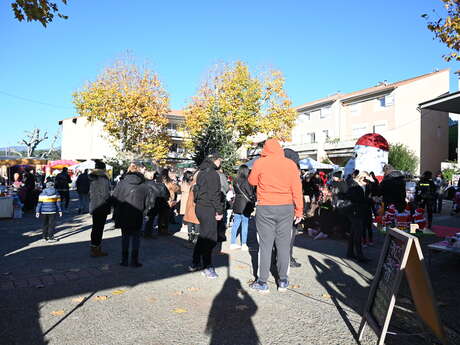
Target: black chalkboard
x: 387, y: 280
x: 401, y: 254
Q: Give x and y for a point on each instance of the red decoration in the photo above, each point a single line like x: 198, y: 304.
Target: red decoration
x: 374, y: 140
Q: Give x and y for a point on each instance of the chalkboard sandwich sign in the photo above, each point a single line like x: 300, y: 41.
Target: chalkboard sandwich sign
x: 401, y: 254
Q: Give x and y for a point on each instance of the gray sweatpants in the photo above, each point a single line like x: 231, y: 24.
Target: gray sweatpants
x: 274, y: 225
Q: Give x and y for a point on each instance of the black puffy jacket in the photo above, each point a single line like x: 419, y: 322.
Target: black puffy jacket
x: 132, y: 198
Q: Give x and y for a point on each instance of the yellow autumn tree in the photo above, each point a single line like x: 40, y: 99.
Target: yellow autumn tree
x: 447, y: 29
x: 247, y: 105
x: 132, y: 104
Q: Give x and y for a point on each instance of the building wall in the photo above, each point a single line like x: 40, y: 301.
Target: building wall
x: 435, y: 140
x: 408, y: 117
x: 82, y: 140
x: 399, y: 121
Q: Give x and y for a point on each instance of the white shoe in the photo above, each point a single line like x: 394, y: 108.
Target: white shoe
x: 245, y: 248
x: 234, y: 246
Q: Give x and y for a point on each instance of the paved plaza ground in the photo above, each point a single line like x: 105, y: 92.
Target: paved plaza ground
x: 57, y: 294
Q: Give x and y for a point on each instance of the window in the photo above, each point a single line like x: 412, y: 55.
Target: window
x: 359, y: 130
x: 306, y: 116
x: 355, y: 109
x: 326, y: 133
x: 380, y: 128
x: 315, y: 114
x: 386, y: 101
x: 311, y: 138
x: 325, y: 112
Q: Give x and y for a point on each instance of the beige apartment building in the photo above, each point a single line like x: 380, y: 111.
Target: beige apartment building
x: 82, y: 140
x: 329, y: 127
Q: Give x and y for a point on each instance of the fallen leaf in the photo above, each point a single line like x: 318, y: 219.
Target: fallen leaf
x: 105, y: 267
x: 179, y: 310
x: 178, y: 293
x: 57, y: 312
x: 78, y: 300
x: 306, y: 294
x: 101, y: 298
x: 118, y: 292
x: 191, y: 289
x: 74, y: 270
x: 178, y: 265
x: 295, y: 286
x: 241, y: 267
x: 326, y: 295
x: 47, y: 270
x: 241, y: 307
x: 152, y: 300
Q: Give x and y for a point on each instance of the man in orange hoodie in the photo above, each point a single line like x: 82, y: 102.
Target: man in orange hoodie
x: 279, y: 205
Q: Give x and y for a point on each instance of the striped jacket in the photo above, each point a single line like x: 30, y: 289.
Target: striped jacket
x: 49, y: 202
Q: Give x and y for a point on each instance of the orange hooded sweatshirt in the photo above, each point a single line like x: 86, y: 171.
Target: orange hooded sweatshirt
x: 277, y: 178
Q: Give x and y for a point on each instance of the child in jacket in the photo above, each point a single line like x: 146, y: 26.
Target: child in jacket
x: 49, y: 204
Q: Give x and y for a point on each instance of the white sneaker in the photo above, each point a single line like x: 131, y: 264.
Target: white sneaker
x: 234, y: 246
x: 245, y: 248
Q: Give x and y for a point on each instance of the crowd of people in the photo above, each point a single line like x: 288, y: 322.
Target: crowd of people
x: 205, y: 203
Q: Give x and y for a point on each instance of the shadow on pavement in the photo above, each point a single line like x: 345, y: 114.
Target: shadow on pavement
x: 230, y: 317
x: 163, y: 258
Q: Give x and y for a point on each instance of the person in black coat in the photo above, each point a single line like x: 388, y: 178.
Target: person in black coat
x: 133, y: 199
x: 161, y: 194
x: 393, y: 188
x: 356, y: 213
x: 425, y: 195
x: 209, y: 210
x: 243, y: 206
x: 83, y: 184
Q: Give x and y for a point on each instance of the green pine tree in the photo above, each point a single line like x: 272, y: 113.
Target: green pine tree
x: 215, y: 138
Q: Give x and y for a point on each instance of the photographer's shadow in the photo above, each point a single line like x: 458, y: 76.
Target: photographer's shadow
x: 229, y: 320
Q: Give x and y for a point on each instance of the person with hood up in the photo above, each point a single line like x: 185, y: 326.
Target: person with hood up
x: 133, y: 198
x: 393, y: 188
x: 99, y: 206
x: 279, y: 205
x: 209, y: 210
x: 49, y: 203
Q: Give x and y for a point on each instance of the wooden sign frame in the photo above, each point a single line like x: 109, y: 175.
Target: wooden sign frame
x: 411, y: 264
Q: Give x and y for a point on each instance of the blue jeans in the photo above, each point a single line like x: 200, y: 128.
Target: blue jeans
x: 84, y: 202
x: 244, y: 221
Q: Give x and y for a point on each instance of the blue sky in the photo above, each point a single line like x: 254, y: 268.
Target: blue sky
x: 320, y: 46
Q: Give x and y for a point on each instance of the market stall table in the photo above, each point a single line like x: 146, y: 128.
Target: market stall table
x: 442, y: 246
x: 6, y: 207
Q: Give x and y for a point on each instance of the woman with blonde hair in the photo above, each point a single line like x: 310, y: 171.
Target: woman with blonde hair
x: 356, y: 214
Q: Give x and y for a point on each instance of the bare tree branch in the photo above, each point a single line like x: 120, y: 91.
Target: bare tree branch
x: 33, y: 139
x: 51, y: 149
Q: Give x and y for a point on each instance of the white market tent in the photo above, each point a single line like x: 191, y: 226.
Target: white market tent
x: 89, y: 164
x: 311, y: 164
x: 305, y: 164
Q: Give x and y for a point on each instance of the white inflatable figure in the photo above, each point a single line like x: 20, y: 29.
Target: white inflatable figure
x: 370, y: 154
